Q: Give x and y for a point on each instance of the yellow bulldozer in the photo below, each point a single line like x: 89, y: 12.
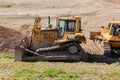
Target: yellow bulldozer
x: 53, y: 43
x: 108, y: 40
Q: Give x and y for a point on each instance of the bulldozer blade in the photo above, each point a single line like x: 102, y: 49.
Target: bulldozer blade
x: 18, y: 53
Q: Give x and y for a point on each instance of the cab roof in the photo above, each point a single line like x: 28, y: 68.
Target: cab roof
x: 115, y: 22
x: 70, y: 18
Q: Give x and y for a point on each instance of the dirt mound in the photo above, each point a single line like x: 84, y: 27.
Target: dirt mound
x: 8, y: 39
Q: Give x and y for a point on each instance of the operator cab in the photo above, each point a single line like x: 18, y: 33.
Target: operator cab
x: 68, y: 26
x: 115, y: 29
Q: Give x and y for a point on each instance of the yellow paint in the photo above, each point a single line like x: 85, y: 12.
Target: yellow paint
x: 110, y: 39
x: 51, y: 35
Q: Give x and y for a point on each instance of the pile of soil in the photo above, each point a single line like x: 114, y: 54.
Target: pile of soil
x: 9, y: 38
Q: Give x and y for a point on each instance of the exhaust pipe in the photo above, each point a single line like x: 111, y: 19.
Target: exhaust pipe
x: 49, y: 25
x: 48, y: 20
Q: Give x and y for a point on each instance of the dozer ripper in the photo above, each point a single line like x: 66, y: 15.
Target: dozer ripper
x: 59, y: 43
x: 108, y: 40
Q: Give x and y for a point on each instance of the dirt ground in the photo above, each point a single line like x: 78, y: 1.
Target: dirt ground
x: 17, y: 17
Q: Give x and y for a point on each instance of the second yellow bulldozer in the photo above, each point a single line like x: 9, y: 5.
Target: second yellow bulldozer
x: 59, y: 43
x: 108, y: 40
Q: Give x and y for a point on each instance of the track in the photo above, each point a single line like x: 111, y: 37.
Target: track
x: 103, y: 46
x: 57, y: 52
x: 56, y: 47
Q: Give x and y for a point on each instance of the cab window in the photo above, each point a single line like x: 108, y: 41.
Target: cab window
x: 70, y: 25
x: 115, y: 31
x: 79, y: 26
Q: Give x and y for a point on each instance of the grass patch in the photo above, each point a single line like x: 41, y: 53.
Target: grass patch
x: 7, y: 5
x: 60, y: 74
x: 52, y: 73
x: 24, y: 74
x: 8, y: 56
x: 82, y: 72
x: 73, y: 75
x: 27, y: 14
x: 57, y: 70
x: 69, y: 76
x: 117, y: 74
